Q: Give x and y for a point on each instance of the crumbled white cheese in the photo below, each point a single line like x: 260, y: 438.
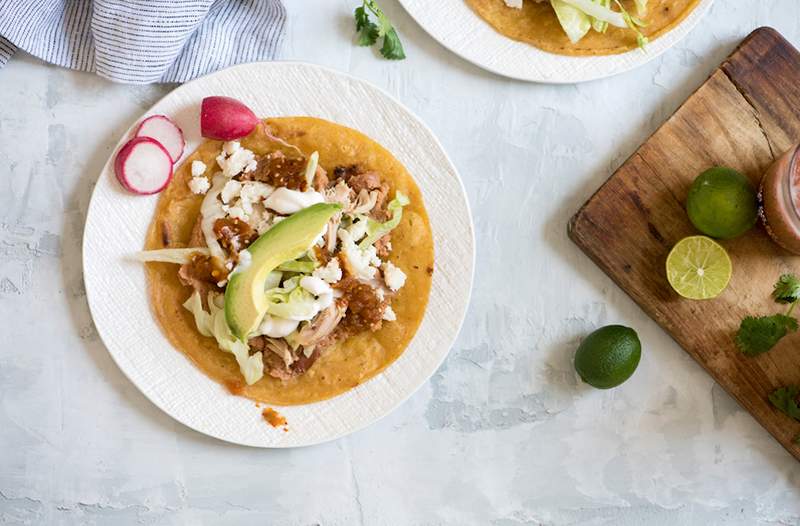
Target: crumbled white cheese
x: 230, y: 191
x: 359, y: 259
x: 389, y: 314
x: 285, y: 201
x: 199, y: 185
x: 234, y: 159
x: 379, y: 292
x: 393, y: 276
x: 236, y: 212
x: 253, y: 192
x: 516, y: 4
x: 198, y: 168
x: 331, y: 272
x: 251, y: 166
x: 231, y: 147
x: 358, y: 229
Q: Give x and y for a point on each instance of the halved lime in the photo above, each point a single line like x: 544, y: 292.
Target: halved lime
x: 698, y: 268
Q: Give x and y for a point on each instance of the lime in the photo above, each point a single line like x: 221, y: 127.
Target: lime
x: 608, y: 356
x: 698, y: 268
x: 722, y: 203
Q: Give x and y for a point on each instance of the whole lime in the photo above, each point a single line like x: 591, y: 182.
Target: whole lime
x: 722, y: 203
x: 608, y: 356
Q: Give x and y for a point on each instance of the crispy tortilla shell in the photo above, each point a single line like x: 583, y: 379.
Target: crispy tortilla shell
x: 349, y: 363
x: 537, y: 24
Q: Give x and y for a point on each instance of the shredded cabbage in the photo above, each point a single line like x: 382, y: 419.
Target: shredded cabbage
x: 574, y: 21
x: 291, y: 301
x: 600, y: 12
x: 376, y: 230
x: 214, y: 324
x: 311, y: 167
x: 599, y: 25
x: 641, y: 7
x: 170, y: 255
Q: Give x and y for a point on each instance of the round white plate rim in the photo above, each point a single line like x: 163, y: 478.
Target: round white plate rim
x: 461, y: 311
x: 583, y: 69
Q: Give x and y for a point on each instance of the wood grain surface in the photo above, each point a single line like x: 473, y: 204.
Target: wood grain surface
x: 746, y: 114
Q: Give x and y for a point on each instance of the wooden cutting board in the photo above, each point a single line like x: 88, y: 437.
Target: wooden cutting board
x: 747, y: 113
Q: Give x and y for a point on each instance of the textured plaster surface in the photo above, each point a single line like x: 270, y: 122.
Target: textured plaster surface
x: 502, y: 435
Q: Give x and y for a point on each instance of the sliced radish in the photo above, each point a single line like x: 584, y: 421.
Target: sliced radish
x: 143, y: 166
x: 226, y: 119
x: 162, y: 129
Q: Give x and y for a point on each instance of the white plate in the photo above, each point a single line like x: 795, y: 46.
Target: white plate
x: 116, y: 289
x: 459, y: 29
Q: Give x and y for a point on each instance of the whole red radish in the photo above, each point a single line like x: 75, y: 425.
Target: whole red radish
x: 225, y: 119
x: 165, y: 131
x: 143, y: 166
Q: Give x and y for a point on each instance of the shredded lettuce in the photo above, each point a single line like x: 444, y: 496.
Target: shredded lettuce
x: 273, y: 280
x: 574, y: 21
x: 213, y: 324
x: 376, y: 229
x: 599, y: 25
x: 598, y: 11
x: 170, y: 255
x: 291, y: 301
x: 311, y: 168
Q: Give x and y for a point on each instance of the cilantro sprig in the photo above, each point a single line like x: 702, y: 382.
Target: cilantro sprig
x: 368, y: 32
x: 758, y: 335
x: 787, y: 399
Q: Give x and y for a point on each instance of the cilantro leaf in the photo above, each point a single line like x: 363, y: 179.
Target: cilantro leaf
x: 392, y: 48
x: 787, y: 289
x: 787, y: 399
x: 758, y: 335
x: 367, y: 30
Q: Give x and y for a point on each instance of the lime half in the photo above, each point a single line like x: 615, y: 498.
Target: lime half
x: 698, y: 268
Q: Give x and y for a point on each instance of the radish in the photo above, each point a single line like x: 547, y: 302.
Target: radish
x: 143, y: 166
x: 225, y: 119
x: 162, y: 129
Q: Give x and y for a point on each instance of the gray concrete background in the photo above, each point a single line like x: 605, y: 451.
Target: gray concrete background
x: 502, y: 435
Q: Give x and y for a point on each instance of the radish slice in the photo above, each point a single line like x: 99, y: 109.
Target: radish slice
x: 225, y: 119
x: 143, y: 166
x: 162, y: 129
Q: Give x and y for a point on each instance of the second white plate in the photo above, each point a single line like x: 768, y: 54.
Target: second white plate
x: 459, y: 29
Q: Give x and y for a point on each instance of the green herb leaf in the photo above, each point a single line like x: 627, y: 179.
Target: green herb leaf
x: 758, y: 335
x: 366, y: 29
x: 787, y: 399
x: 392, y: 48
x: 369, y: 32
x: 787, y: 289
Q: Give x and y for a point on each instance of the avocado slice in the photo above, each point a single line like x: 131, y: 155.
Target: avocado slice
x: 245, y: 301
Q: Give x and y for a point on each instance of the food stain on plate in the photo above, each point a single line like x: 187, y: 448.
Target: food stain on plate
x: 274, y: 418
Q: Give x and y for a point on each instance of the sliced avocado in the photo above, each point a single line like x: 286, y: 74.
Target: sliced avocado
x: 245, y: 301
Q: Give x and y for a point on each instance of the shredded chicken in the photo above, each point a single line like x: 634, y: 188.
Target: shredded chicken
x: 203, y: 273
x: 323, y: 324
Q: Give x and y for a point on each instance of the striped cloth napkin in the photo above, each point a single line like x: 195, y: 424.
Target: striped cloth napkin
x: 143, y: 41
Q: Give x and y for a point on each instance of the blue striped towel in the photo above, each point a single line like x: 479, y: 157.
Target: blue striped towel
x: 143, y: 41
